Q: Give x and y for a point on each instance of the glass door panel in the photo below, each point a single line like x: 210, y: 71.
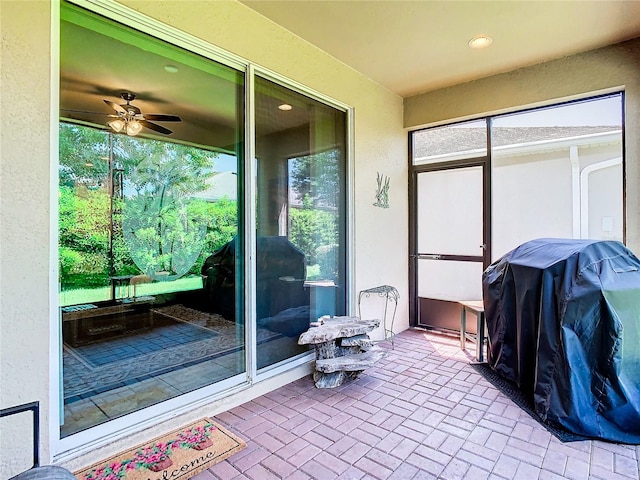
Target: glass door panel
x: 300, y: 217
x: 151, y: 287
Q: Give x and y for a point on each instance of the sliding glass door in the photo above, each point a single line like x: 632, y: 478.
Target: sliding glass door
x: 147, y: 200
x: 156, y: 271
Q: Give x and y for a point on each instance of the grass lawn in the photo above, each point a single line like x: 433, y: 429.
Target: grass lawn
x: 88, y: 295
x: 193, y: 282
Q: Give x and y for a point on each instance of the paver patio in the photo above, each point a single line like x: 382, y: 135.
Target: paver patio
x: 421, y: 413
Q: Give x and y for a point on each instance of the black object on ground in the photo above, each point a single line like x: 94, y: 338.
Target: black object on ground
x: 563, y: 318
x: 516, y: 395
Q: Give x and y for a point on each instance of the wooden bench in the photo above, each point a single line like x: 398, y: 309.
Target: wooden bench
x: 475, y: 307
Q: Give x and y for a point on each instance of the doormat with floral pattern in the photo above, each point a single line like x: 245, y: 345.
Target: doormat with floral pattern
x: 180, y: 454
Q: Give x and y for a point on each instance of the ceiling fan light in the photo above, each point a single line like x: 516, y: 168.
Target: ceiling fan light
x: 133, y: 128
x: 117, y: 125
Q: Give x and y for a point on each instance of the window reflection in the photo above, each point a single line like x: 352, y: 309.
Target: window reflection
x: 300, y: 211
x: 138, y: 219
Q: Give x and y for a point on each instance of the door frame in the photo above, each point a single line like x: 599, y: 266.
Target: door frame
x: 414, y: 170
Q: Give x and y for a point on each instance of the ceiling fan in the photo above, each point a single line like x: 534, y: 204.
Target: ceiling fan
x: 131, y: 120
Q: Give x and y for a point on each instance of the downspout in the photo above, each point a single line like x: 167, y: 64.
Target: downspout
x: 584, y: 191
x: 575, y: 189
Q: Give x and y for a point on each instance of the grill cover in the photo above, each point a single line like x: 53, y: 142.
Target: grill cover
x: 563, y: 319
x: 276, y: 257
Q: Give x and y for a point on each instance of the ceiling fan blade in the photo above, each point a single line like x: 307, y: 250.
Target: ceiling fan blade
x: 159, y: 117
x: 72, y: 110
x: 155, y: 126
x: 115, y: 106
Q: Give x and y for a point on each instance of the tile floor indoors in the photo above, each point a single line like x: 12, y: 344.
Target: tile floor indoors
x: 113, y: 377
x: 421, y: 413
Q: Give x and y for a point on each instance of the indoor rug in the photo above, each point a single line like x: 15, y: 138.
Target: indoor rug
x: 141, y: 343
x: 512, y: 391
x: 195, y: 337
x: 180, y: 454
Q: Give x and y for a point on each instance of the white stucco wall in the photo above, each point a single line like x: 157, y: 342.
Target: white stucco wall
x: 25, y: 194
x: 567, y: 78
x: 24, y: 221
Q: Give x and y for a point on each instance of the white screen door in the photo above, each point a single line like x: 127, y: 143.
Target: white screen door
x: 450, y: 252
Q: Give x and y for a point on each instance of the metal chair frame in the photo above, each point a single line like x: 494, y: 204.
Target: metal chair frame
x: 389, y: 293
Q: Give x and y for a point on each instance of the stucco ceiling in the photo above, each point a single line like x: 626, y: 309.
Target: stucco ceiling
x: 417, y: 46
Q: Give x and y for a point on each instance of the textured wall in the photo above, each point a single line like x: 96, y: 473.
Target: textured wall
x: 566, y: 78
x: 24, y: 222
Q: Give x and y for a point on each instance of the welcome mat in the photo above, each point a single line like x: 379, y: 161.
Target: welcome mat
x: 512, y: 391
x: 180, y: 454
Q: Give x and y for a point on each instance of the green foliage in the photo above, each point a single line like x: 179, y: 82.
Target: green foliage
x: 314, y: 227
x: 84, y: 219
x: 160, y: 168
x: 168, y: 229
x: 315, y: 232
x: 162, y: 222
x: 69, y: 261
x: 84, y: 154
x: 222, y: 226
x: 84, y: 236
x: 317, y: 177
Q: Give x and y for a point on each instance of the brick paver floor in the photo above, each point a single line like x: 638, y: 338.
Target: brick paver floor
x: 421, y: 413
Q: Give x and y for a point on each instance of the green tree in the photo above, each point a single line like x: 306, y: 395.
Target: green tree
x: 83, y: 236
x: 317, y: 177
x: 315, y: 232
x: 222, y: 225
x: 316, y: 181
x: 162, y: 223
x: 84, y: 156
x: 157, y: 191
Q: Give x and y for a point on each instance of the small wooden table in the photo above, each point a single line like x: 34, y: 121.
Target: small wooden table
x: 476, y: 307
x: 87, y: 323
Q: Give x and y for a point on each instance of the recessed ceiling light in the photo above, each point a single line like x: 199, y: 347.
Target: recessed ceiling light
x: 285, y: 107
x: 170, y: 69
x: 480, y: 41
